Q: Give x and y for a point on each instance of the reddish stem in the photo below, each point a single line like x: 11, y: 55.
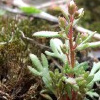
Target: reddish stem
x: 70, y: 36
x: 68, y: 58
x: 65, y: 97
x: 74, y: 95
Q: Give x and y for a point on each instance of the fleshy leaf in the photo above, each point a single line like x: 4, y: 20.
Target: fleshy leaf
x: 92, y: 94
x: 84, y: 65
x: 44, y: 60
x: 50, y: 53
x: 88, y: 38
x: 90, y: 78
x: 96, y: 72
x: 34, y: 71
x: 88, y: 45
x: 36, y: 61
x: 46, y: 34
x: 56, y: 45
x: 70, y: 81
x: 97, y: 76
x: 53, y: 46
x: 96, y: 66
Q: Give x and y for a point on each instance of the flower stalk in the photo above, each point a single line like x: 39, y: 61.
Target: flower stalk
x: 72, y: 9
x: 70, y: 35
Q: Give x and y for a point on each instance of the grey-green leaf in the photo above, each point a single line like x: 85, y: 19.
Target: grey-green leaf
x: 34, y: 71
x: 44, y: 60
x: 46, y: 34
x: 36, y: 61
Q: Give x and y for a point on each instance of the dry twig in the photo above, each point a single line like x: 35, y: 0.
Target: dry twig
x: 5, y: 96
x: 33, y: 41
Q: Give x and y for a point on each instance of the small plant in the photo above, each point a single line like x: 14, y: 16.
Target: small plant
x: 71, y: 81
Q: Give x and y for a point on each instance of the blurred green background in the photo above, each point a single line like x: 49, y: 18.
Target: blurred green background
x: 91, y: 19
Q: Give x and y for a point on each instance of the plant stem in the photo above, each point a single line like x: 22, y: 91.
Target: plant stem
x: 72, y: 55
x: 65, y: 98
x: 74, y: 95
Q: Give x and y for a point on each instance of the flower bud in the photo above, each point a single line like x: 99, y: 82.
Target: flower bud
x: 72, y: 7
x: 76, y: 15
x: 79, y: 13
x: 64, y: 49
x: 62, y: 22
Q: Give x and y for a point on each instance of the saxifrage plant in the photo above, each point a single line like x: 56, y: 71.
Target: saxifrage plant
x: 71, y: 81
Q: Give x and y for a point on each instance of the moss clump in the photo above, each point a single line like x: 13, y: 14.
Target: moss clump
x: 14, y: 57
